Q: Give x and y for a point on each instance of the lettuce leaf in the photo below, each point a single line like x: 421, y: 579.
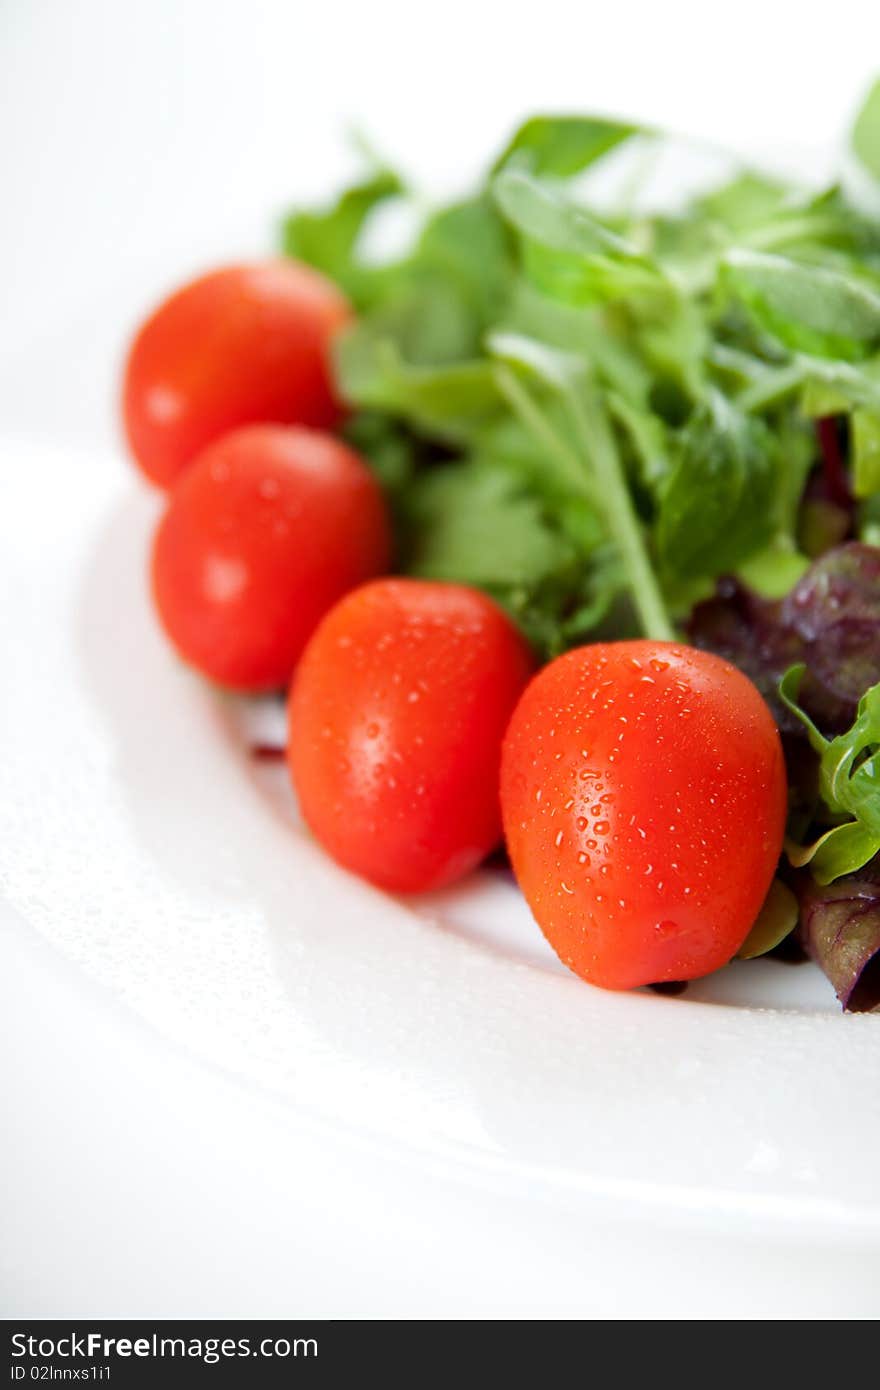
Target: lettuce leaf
x: 329, y: 238
x: 810, y: 308
x: 562, y: 146
x: 866, y: 133
x: 840, y: 927
x: 829, y: 623
x: 717, y: 507
x: 849, y: 785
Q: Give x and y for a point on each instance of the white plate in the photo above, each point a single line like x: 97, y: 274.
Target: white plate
x: 145, y: 843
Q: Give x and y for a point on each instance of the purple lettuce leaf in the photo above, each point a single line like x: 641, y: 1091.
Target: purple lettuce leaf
x: 746, y: 630
x: 840, y: 929
x: 830, y: 623
x: 833, y: 475
x: 827, y: 512
x: 835, y: 610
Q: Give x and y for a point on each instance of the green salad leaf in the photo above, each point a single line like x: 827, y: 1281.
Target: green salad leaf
x: 473, y: 524
x: 595, y: 466
x: 865, y: 427
x: 329, y: 239
x: 776, y: 920
x: 465, y: 245
x: 810, y: 308
x: 568, y: 253
x: 849, y: 783
x: 561, y: 146
x: 717, y: 506
x: 449, y: 400
x: 866, y: 133
x: 749, y: 200
x: 655, y: 372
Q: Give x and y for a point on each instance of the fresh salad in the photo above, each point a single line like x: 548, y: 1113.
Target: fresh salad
x: 562, y: 528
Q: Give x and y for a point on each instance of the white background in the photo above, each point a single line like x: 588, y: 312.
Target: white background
x: 138, y: 142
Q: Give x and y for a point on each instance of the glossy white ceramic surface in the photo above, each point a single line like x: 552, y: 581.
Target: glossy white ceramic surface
x: 143, y: 841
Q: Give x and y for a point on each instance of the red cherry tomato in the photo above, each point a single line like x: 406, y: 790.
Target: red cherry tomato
x: 644, y: 797
x: 266, y: 530
x: 396, y: 718
x: 247, y: 344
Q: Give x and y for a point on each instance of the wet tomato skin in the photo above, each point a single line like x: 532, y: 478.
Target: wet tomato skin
x: 244, y: 344
x: 267, y: 529
x: 396, y: 717
x: 644, y: 797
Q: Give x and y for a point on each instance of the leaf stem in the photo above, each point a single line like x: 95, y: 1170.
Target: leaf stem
x: 772, y: 386
x: 782, y: 232
x: 595, y: 433
x: 598, y: 475
x: 536, y: 422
